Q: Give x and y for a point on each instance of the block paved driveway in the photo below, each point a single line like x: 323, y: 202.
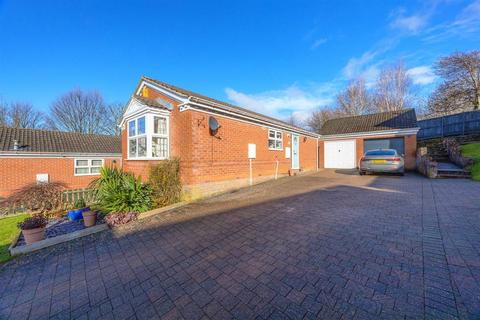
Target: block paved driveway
x: 325, y: 246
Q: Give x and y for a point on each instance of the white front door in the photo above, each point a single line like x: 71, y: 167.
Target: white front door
x: 295, y: 152
x: 340, y: 154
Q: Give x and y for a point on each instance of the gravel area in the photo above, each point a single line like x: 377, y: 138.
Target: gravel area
x: 58, y: 227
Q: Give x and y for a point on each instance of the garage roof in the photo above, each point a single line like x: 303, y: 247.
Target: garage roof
x: 44, y: 141
x: 391, y: 120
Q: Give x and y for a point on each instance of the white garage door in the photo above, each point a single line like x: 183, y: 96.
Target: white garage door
x: 340, y: 154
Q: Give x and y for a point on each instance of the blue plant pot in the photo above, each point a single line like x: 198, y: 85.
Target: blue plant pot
x: 75, y: 214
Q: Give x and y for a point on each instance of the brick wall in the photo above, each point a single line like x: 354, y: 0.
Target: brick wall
x: 410, y: 143
x: 224, y: 157
x: 18, y: 172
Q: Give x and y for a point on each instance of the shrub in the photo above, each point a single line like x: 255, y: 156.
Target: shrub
x: 42, y: 197
x: 119, y: 218
x: 33, y: 222
x: 79, y: 203
x: 165, y: 182
x: 118, y: 191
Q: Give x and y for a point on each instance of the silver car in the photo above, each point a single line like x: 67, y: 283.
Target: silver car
x: 381, y: 160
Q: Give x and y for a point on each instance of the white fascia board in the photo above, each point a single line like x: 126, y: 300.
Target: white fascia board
x: 58, y: 155
x: 245, y: 119
x: 370, y: 134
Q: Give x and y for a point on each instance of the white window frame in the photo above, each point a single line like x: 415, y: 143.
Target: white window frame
x: 89, y: 166
x: 149, y: 135
x: 275, y: 131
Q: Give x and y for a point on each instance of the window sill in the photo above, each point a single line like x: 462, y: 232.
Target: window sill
x: 85, y: 174
x: 146, y: 159
x: 271, y: 149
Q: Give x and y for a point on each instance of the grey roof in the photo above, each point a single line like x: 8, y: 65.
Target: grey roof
x: 43, y: 141
x: 402, y: 119
x: 196, y: 97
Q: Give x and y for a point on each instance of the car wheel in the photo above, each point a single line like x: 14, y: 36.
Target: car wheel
x: 361, y: 172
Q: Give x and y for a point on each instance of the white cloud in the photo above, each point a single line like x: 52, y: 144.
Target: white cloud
x: 356, y: 66
x: 413, y: 23
x: 466, y: 23
x: 282, y: 103
x: 421, y: 75
x: 317, y: 43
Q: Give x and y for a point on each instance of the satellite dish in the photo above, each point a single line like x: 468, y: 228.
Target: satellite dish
x: 213, y: 125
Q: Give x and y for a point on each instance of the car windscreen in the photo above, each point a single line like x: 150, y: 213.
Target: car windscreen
x: 380, y: 153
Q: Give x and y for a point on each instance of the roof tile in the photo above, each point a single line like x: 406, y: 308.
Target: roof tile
x: 402, y: 119
x: 34, y: 140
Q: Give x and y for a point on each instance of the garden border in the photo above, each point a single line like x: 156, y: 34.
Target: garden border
x: 15, y: 251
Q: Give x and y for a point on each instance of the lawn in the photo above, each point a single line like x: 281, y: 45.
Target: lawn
x: 472, y: 150
x: 8, y: 229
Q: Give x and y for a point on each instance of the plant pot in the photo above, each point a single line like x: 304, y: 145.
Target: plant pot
x: 89, y: 218
x: 34, y: 235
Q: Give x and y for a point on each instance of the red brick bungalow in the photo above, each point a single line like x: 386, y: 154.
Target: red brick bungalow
x: 28, y: 156
x: 163, y: 121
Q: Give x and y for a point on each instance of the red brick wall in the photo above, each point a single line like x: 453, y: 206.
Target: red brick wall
x: 410, y: 142
x: 205, y: 158
x: 18, y: 172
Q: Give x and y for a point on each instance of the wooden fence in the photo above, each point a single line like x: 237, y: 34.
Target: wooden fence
x: 451, y: 125
x: 70, y: 196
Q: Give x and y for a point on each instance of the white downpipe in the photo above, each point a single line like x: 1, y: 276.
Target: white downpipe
x: 317, y: 156
x: 251, y: 172
x: 276, y: 170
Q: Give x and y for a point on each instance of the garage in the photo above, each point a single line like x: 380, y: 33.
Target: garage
x: 343, y: 141
x: 391, y: 143
x: 340, y: 154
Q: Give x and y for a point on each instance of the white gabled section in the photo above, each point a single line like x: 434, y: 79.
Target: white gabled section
x: 136, y: 108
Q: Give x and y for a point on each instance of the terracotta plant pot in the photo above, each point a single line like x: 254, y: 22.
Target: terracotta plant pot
x: 89, y: 218
x: 34, y: 235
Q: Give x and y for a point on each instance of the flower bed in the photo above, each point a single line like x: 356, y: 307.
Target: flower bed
x: 58, y: 227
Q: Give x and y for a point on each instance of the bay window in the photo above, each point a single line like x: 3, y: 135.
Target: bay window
x: 148, y: 137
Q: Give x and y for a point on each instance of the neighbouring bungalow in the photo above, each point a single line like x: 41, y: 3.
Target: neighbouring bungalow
x: 344, y: 141
x: 220, y: 146
x: 28, y: 156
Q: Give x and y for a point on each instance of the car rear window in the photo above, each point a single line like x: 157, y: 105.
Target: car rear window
x: 380, y: 153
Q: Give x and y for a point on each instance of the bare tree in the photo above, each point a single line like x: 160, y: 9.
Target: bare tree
x: 24, y: 115
x: 113, y: 117
x: 3, y: 113
x: 79, y: 111
x: 392, y: 90
x: 293, y: 120
x: 355, y: 99
x: 319, y: 117
x: 460, y: 89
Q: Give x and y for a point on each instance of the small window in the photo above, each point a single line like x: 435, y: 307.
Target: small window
x: 159, y: 147
x: 275, y: 140
x: 132, y: 128
x: 160, y: 125
x: 141, y: 126
x: 88, y: 166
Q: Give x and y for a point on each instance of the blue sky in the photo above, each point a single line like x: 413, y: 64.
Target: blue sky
x: 275, y: 57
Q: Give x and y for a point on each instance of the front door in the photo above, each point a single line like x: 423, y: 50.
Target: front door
x: 295, y: 152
